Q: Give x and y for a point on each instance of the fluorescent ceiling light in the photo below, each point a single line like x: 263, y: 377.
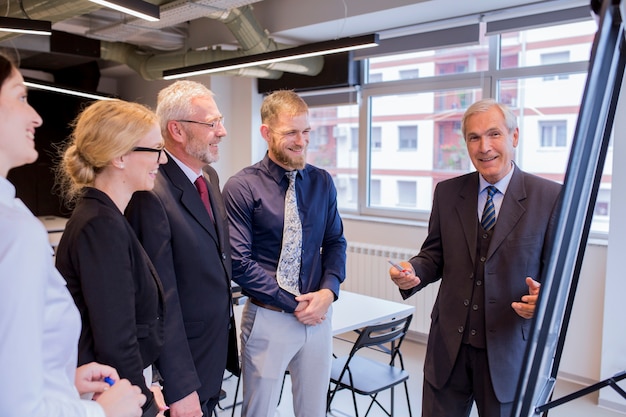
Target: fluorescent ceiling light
x: 28, y: 26
x: 48, y: 87
x: 138, y: 8
x: 281, y: 55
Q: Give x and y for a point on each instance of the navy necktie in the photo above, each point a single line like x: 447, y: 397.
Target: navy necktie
x: 489, y: 213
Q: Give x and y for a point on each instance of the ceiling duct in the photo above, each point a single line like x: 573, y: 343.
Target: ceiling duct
x: 52, y: 10
x: 250, y: 36
x: 118, y: 38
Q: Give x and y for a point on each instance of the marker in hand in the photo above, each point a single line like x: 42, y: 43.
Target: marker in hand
x: 109, y: 381
x: 398, y: 267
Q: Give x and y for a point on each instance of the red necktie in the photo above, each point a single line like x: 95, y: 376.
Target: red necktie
x: 204, y: 195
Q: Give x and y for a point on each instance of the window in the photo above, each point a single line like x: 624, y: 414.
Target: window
x: 354, y: 138
x: 318, y: 138
x: 376, y: 138
x: 375, y: 193
x: 555, y: 58
x: 375, y: 77
x: 407, y: 138
x: 558, y: 44
x: 553, y: 134
x: 340, y: 154
x: 409, y: 74
x: 407, y: 193
x: 540, y: 73
x: 354, y: 186
x: 447, y: 61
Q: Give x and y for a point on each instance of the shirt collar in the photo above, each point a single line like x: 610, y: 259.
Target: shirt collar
x: 276, y: 171
x: 189, y: 173
x: 7, y: 191
x: 501, y: 185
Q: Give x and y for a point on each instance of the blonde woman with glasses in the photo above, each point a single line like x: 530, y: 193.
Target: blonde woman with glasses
x: 115, y: 149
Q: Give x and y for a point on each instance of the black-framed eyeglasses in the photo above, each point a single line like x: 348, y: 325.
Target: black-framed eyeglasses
x: 212, y: 125
x: 142, y: 149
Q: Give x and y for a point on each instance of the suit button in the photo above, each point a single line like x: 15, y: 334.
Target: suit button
x: 473, y: 332
x: 483, y: 259
x: 460, y: 329
x: 479, y: 283
x: 485, y: 236
x: 223, y: 256
x: 465, y: 303
x: 474, y: 307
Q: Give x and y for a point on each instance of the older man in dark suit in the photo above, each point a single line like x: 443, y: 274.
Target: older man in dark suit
x: 487, y: 242
x: 183, y: 227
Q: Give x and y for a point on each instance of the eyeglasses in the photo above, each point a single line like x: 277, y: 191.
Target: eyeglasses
x: 211, y: 125
x: 142, y: 149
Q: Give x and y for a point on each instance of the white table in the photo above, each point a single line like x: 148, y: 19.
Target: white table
x: 354, y: 311
x: 55, y: 226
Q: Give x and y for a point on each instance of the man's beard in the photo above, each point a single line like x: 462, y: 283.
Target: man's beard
x: 284, y: 159
x: 201, y: 152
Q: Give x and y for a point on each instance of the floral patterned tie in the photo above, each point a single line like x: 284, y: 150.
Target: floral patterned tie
x: 288, y: 271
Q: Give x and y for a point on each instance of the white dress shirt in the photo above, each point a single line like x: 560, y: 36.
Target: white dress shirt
x: 39, y: 322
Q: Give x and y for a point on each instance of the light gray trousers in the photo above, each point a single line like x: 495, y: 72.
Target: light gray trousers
x: 271, y: 343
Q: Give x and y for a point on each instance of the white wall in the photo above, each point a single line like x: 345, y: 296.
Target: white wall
x: 613, y: 328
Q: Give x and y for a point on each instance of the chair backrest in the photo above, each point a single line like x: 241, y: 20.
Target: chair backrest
x: 392, y: 331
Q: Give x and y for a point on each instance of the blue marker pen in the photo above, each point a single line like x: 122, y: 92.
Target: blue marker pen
x: 109, y: 380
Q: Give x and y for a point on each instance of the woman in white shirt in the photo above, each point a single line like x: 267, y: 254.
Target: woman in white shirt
x: 39, y: 322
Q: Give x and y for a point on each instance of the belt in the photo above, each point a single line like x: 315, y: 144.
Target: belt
x: 267, y: 306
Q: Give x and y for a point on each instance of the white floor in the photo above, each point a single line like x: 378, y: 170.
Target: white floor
x: 413, y: 355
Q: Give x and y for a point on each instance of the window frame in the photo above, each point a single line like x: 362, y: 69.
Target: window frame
x: 487, y: 81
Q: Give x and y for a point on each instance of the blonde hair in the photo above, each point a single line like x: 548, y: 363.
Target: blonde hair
x: 102, y: 131
x: 282, y: 102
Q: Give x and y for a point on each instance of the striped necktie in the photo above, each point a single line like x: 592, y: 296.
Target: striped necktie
x: 489, y: 213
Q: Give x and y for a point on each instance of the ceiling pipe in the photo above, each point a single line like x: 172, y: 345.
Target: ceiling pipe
x: 250, y: 36
x: 240, y: 21
x: 52, y: 10
x: 151, y: 66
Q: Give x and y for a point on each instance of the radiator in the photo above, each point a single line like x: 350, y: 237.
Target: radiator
x: 367, y: 272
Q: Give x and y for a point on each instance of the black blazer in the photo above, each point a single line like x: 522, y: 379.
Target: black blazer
x: 193, y: 259
x: 116, y: 289
x: 519, y: 248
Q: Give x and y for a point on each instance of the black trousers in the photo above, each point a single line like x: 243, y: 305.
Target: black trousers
x: 469, y: 382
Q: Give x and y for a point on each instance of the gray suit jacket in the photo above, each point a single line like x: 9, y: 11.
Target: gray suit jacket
x: 519, y: 248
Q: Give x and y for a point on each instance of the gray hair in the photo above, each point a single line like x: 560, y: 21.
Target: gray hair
x: 484, y: 105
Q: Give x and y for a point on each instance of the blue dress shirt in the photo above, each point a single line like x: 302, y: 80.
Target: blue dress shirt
x: 255, y: 202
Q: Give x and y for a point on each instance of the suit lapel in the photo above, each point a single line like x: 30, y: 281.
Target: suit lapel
x: 466, y: 210
x: 189, y: 197
x: 218, y: 209
x: 511, y: 211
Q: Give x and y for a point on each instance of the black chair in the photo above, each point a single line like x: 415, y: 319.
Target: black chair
x: 365, y: 376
